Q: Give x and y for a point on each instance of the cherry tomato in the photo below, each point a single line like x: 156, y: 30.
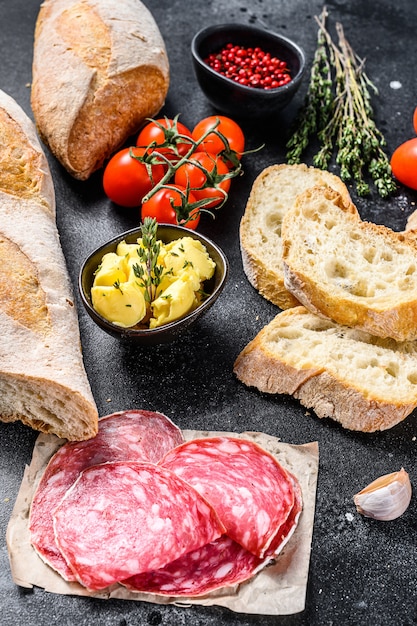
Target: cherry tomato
x: 404, y: 163
x: 166, y: 131
x: 159, y: 206
x: 213, y: 143
x: 415, y: 119
x: 126, y: 180
x: 191, y: 175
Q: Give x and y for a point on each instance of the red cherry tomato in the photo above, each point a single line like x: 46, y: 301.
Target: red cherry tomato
x: 201, y: 185
x: 404, y: 163
x: 159, y: 206
x: 213, y: 143
x: 415, y: 119
x: 126, y: 180
x: 166, y: 130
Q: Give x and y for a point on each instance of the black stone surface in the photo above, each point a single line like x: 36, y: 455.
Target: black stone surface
x: 361, y: 571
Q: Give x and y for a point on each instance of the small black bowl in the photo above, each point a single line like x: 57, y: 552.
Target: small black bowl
x: 229, y: 96
x: 168, y: 332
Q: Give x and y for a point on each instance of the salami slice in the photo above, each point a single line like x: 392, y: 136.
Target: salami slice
x: 250, y: 491
x: 222, y: 563
x: 286, y: 530
x: 123, y: 518
x: 135, y: 435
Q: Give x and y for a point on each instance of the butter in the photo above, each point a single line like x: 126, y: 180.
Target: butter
x: 127, y: 249
x: 177, y: 300
x: 111, y: 270
x: 130, y: 251
x: 118, y: 292
x: 123, y: 305
x: 131, y: 267
x: 189, y: 251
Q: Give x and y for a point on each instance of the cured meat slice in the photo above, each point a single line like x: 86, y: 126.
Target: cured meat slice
x: 222, y: 563
x: 128, y: 435
x: 286, y: 530
x: 123, y: 518
x: 250, y: 491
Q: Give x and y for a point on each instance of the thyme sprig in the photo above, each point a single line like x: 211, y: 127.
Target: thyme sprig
x: 149, y: 272
x: 316, y: 110
x: 338, y: 111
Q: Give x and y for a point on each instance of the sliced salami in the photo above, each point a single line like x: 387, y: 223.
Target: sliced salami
x: 250, y: 491
x: 222, y: 563
x: 123, y: 518
x: 128, y: 435
x: 286, y: 530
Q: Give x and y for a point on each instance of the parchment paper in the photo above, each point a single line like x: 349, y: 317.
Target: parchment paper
x: 279, y: 589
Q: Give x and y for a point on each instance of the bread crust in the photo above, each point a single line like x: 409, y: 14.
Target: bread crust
x: 350, y: 300
x: 43, y: 382
x: 31, y: 179
x: 273, y: 193
x: 100, y: 68
x: 330, y: 391
x: 411, y: 224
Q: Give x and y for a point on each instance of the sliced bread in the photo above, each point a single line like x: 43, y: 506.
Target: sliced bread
x: 272, y: 195
x: 363, y: 382
x: 356, y: 273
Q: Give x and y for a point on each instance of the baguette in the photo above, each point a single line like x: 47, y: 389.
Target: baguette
x: 362, y: 382
x: 356, y: 273
x: 42, y: 378
x: 272, y: 195
x: 100, y: 68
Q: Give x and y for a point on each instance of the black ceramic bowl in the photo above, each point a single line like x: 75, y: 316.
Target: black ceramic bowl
x: 168, y: 332
x: 239, y: 100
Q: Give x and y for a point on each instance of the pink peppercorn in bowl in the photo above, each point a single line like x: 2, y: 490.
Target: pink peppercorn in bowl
x: 245, y: 71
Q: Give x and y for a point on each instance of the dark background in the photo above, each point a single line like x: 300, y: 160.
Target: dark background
x: 361, y: 571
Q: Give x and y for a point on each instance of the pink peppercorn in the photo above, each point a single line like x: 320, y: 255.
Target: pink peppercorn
x: 252, y: 67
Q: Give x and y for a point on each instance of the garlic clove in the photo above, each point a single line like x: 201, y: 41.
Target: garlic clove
x: 386, y: 498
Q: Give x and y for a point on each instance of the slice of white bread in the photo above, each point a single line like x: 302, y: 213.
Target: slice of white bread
x: 43, y: 382
x: 273, y: 194
x: 357, y: 273
x: 363, y: 382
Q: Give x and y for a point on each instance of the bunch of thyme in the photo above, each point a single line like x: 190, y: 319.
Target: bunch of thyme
x: 338, y: 111
x: 150, y: 273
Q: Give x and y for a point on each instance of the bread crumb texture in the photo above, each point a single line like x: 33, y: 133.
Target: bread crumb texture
x: 379, y: 367
x: 361, y: 258
x: 357, y: 273
x: 365, y: 383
